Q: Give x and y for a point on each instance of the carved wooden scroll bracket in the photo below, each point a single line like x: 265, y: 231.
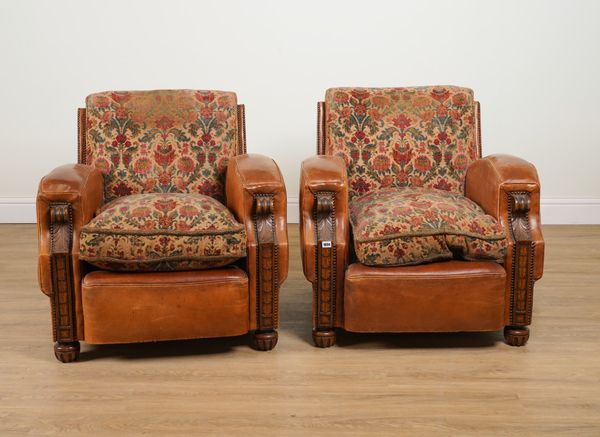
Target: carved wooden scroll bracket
x: 62, y: 299
x: 325, y: 284
x: 523, y: 257
x: 267, y: 287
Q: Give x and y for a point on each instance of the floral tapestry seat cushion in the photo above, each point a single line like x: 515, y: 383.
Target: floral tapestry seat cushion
x: 162, y: 231
x: 406, y: 226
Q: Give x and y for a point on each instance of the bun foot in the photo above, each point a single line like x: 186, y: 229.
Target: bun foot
x: 66, y: 352
x: 265, y: 340
x: 516, y: 335
x: 324, y: 338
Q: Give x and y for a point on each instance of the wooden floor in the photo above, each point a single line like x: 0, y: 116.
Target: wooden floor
x: 471, y: 384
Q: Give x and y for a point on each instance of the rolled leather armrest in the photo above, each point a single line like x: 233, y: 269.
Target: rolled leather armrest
x: 491, y: 181
x: 250, y: 179
x: 82, y: 187
x: 323, y: 174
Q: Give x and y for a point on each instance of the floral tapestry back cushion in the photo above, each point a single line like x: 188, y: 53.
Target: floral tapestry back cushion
x: 161, y: 141
x: 398, y: 137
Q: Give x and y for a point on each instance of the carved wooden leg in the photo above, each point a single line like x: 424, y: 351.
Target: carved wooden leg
x: 516, y: 335
x: 267, y: 287
x: 265, y: 340
x: 62, y: 299
x: 324, y: 338
x: 66, y: 352
x: 521, y: 301
x: 326, y: 265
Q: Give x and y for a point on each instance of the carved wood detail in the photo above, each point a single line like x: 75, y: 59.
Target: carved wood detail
x: 320, y: 128
x: 62, y: 298
x: 81, y: 140
x: 521, y: 300
x: 478, y: 127
x: 516, y: 335
x: 267, y: 287
x: 324, y: 339
x: 265, y: 340
x: 66, y: 352
x: 325, y: 284
x: 241, y: 121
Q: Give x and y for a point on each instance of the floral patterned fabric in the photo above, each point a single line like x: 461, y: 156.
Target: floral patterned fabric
x: 404, y: 226
x: 397, y: 137
x: 170, y: 231
x: 161, y: 141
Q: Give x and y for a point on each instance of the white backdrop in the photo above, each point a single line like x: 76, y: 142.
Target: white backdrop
x: 534, y: 65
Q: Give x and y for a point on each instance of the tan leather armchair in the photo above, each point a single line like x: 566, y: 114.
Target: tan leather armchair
x: 383, y: 154
x: 166, y: 229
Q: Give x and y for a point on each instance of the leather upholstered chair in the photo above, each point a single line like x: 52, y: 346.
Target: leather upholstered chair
x: 406, y: 228
x: 166, y: 229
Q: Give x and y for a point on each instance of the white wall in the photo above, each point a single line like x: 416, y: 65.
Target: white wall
x: 534, y: 65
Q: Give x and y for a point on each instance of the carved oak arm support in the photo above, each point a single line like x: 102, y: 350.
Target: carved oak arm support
x: 67, y: 199
x: 324, y: 240
x: 256, y: 195
x: 508, y: 188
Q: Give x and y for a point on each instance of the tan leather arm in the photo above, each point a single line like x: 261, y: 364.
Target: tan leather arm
x: 324, y: 208
x: 67, y: 199
x: 508, y: 188
x: 256, y: 194
x: 489, y: 182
